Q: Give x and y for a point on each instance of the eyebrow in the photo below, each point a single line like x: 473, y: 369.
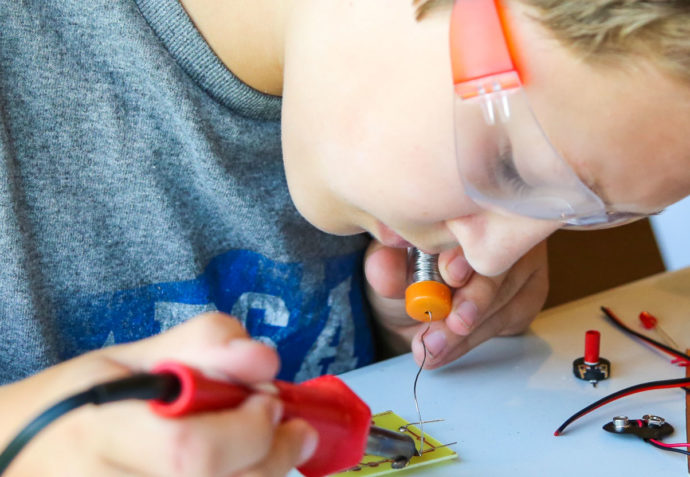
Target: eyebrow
x: 422, y: 7
x: 595, y: 187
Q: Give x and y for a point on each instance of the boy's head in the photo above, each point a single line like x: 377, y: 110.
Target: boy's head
x: 368, y: 128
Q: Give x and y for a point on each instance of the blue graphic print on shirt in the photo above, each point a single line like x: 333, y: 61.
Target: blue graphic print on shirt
x: 314, y: 314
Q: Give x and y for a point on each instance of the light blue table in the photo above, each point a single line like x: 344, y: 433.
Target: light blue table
x: 503, y: 400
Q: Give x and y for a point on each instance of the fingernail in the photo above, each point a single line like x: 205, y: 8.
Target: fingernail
x: 435, y: 342
x: 274, y: 406
x: 240, y: 345
x: 309, y: 445
x: 468, y: 313
x: 276, y: 411
x: 458, y: 269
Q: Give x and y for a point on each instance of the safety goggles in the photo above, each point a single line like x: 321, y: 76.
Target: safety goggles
x: 505, y: 159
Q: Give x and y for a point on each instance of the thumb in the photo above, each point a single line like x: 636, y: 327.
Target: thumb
x: 454, y: 267
x: 386, y: 270
x: 213, y: 342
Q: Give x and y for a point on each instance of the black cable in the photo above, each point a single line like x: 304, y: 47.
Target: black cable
x: 139, y: 386
x: 670, y: 449
x: 638, y: 388
x: 45, y: 418
x: 620, y: 325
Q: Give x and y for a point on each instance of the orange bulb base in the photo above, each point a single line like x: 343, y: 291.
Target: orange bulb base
x: 422, y: 298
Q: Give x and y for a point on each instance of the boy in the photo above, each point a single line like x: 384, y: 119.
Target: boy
x: 142, y: 184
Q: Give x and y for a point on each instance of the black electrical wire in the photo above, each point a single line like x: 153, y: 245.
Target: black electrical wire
x: 670, y: 449
x: 620, y: 325
x: 638, y: 388
x: 162, y: 386
x: 669, y: 383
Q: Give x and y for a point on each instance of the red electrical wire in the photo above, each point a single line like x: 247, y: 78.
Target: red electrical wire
x: 638, y: 388
x: 664, y: 444
x: 656, y: 444
x: 679, y: 356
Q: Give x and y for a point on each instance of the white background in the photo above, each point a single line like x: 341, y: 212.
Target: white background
x: 672, y: 231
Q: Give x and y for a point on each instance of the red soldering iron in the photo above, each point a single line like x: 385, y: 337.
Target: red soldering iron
x: 341, y: 418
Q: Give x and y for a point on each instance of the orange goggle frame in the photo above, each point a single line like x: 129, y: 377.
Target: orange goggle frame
x: 479, y: 48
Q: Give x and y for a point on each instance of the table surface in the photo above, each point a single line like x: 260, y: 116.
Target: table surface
x: 503, y: 400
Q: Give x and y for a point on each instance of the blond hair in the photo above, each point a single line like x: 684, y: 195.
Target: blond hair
x: 607, y: 31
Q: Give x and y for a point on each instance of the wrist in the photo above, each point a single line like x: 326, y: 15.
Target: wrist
x: 23, y: 400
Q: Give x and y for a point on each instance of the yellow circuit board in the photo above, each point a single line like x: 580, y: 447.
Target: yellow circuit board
x: 434, y: 451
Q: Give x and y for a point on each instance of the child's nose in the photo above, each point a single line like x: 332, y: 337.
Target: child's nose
x: 493, y: 241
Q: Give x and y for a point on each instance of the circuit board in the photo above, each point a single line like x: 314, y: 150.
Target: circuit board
x: 434, y: 451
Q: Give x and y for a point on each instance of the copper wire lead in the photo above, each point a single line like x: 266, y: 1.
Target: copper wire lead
x: 404, y: 428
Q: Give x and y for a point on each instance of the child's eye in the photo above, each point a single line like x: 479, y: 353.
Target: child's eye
x: 507, y: 172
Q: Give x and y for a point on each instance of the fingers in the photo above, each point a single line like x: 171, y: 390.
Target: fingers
x: 483, y: 296
x: 485, y: 307
x: 127, y: 438
x: 213, y: 444
x: 475, y: 301
x: 436, y: 341
x: 213, y: 342
x: 385, y: 269
x: 528, y: 303
x: 220, y: 443
x: 294, y: 443
x: 463, y: 320
x: 510, y: 319
x: 482, y: 306
x: 454, y: 267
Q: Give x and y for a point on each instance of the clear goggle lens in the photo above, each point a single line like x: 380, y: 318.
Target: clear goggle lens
x: 507, y: 162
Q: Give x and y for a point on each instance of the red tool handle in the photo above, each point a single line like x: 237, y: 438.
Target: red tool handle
x: 340, y: 417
